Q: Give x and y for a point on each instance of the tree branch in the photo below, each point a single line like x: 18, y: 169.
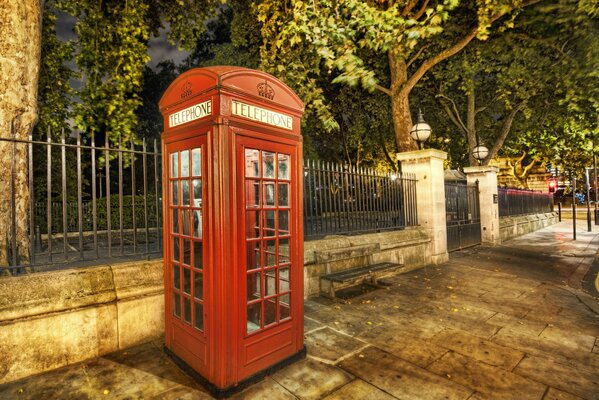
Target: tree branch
x: 417, y: 55
x: 453, y: 115
x: 408, y: 8
x: 383, y: 89
x: 422, y: 10
x: 505, y: 129
x: 481, y: 109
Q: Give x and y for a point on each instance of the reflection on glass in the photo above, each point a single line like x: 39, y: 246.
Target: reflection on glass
x: 252, y: 163
x: 271, y: 253
x: 174, y: 165
x: 283, y: 166
x: 175, y: 220
x: 269, y: 226
x: 186, y: 281
x: 186, y: 309
x: 253, y: 255
x: 268, y: 164
x: 197, y: 192
x: 199, y: 316
x: 177, y: 304
x: 197, y: 223
x: 254, y: 286
x: 175, y: 193
x: 284, y: 307
x: 185, y: 163
x: 185, y: 193
x: 252, y: 193
x: 198, y: 285
x: 198, y: 255
x: 186, y: 252
x: 270, y: 282
x: 185, y: 221
x: 284, y: 222
x: 283, y: 280
x: 252, y: 224
x: 196, y: 162
x: 283, y: 251
x: 270, y: 311
x: 269, y: 194
x: 283, y: 195
x: 176, y: 277
x: 254, y: 317
x: 176, y: 255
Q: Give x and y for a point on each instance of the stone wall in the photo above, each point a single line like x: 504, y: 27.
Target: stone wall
x: 510, y: 227
x: 52, y: 319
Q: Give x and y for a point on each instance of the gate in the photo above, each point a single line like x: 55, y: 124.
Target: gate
x: 462, y: 210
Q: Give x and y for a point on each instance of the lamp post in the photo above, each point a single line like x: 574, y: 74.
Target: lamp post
x: 421, y: 131
x: 480, y: 152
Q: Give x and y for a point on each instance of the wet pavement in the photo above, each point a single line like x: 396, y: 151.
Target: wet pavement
x: 506, y: 322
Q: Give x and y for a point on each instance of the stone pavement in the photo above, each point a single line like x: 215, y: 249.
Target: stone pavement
x: 508, y: 322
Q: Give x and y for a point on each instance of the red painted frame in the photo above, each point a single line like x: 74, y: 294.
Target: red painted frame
x: 224, y: 354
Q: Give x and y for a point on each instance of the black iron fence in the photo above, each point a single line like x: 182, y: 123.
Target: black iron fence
x: 339, y: 199
x: 462, y: 212
x: 87, y: 202
x: 521, y: 202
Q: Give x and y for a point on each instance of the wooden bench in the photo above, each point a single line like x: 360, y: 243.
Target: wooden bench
x: 369, y: 274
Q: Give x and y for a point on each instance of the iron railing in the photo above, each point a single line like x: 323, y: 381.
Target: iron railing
x: 514, y: 202
x: 342, y: 199
x: 69, y: 222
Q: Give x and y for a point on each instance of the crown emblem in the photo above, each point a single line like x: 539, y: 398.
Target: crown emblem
x: 265, y: 90
x: 186, y: 89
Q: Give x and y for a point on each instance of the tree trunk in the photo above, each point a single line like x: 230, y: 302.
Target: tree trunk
x: 471, y: 127
x: 400, y: 103
x: 20, y: 46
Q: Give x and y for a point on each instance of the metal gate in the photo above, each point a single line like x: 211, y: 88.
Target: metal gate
x: 462, y: 211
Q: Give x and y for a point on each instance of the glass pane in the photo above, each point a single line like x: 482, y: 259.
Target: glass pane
x: 174, y: 165
x: 198, y: 255
x: 176, y: 255
x: 269, y: 194
x: 197, y: 192
x: 198, y: 285
x: 283, y: 222
x: 199, y: 316
x: 196, y: 162
x: 284, y: 166
x: 268, y: 164
x: 283, y: 280
x: 270, y: 282
x: 186, y: 280
x: 271, y: 253
x: 253, y: 255
x: 270, y: 311
x: 175, y: 220
x: 252, y: 193
x: 185, y: 193
x: 186, y: 252
x: 185, y: 221
x: 175, y: 193
x: 254, y: 286
x: 254, y: 317
x: 283, y: 195
x: 252, y: 163
x: 197, y: 223
x: 283, y: 251
x: 177, y: 304
x: 185, y: 163
x: 176, y: 277
x: 252, y: 224
x: 284, y: 307
x: 186, y: 309
x: 269, y: 226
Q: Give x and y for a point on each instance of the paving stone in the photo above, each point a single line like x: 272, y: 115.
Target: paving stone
x: 486, y: 379
x: 479, y: 349
x: 400, y: 378
x: 266, y: 389
x: 564, y: 377
x: 555, y: 394
x: 181, y: 393
x: 573, y: 340
x: 414, y: 350
x: 359, y: 390
x: 326, y: 344
x: 311, y: 324
x: 309, y: 379
x: 521, y: 325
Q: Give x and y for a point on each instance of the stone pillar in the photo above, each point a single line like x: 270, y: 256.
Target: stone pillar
x: 427, y: 166
x: 488, y: 196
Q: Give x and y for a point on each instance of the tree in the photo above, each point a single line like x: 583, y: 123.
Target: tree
x: 303, y: 39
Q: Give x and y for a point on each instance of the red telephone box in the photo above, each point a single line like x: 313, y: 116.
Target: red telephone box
x: 233, y: 232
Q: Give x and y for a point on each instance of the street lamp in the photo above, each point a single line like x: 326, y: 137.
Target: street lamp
x: 421, y: 131
x: 480, y: 152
